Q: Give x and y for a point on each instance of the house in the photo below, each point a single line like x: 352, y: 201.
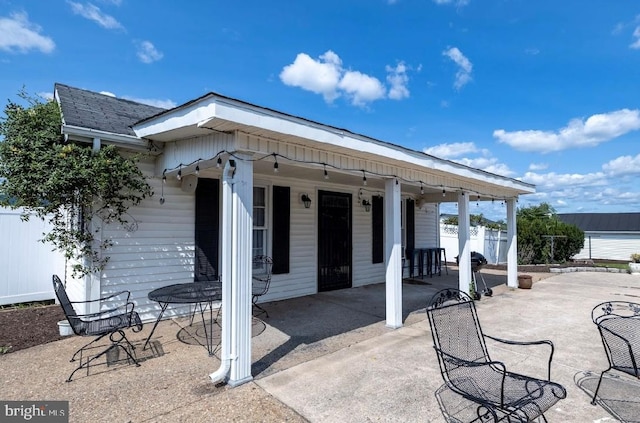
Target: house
x: 607, y: 236
x: 229, y: 180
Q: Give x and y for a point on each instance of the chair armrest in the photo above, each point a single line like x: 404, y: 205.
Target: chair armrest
x: 128, y: 309
x: 540, y: 342
x: 105, y: 298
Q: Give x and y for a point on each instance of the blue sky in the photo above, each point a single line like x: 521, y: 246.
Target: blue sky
x: 543, y: 91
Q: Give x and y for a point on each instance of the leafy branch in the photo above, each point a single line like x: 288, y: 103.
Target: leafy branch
x: 65, y: 183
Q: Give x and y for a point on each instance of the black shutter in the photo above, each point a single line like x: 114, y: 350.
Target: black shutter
x: 377, y: 229
x: 411, y: 226
x: 281, y: 229
x: 207, y: 230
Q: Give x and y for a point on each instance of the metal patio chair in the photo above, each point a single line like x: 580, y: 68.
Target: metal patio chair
x: 110, y: 322
x: 619, y: 326
x: 262, y: 268
x: 469, y: 371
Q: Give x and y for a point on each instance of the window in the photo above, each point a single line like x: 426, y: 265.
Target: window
x: 260, y: 225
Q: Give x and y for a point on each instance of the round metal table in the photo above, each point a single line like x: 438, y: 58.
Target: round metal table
x: 197, y: 293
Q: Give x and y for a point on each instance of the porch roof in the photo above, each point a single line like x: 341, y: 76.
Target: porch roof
x: 88, y: 114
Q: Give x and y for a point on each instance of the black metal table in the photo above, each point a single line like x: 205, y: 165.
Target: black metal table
x: 196, y: 293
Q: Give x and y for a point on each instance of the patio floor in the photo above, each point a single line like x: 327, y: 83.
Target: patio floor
x: 329, y: 358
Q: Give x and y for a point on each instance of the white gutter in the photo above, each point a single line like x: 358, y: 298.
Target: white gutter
x: 225, y: 336
x: 118, y: 139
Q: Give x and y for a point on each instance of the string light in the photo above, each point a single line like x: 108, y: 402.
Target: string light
x: 217, y: 157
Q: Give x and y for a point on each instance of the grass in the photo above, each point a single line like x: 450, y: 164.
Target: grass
x: 613, y: 265
x: 4, y: 349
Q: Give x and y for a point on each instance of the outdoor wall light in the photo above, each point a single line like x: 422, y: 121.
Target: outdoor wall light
x: 367, y: 205
x: 306, y: 200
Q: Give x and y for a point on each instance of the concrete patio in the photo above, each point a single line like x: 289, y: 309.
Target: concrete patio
x: 329, y: 358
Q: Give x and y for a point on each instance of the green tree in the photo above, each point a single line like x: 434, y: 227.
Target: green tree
x: 539, y: 230
x: 64, y: 183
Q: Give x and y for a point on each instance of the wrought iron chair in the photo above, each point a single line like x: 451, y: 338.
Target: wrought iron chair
x: 468, y: 370
x: 100, y: 324
x: 262, y: 268
x: 619, y: 326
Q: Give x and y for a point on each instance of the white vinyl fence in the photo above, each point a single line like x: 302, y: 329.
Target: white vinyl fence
x: 492, y: 244
x: 26, y: 264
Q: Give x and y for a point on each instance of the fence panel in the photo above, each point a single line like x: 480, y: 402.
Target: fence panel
x: 27, y: 264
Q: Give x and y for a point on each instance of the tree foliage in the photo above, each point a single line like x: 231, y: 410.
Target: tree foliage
x: 65, y: 183
x: 537, y: 226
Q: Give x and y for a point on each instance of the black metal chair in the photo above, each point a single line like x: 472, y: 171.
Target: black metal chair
x: 468, y: 370
x: 100, y: 324
x: 619, y: 326
x: 262, y: 268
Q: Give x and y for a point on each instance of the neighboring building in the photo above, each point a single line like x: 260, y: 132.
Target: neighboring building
x: 607, y: 236
x: 235, y: 175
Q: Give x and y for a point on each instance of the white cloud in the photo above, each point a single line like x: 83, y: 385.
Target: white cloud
x: 46, y: 95
x: 327, y: 77
x: 108, y: 93
x: 164, y: 104
x: 398, y: 80
x: 552, y: 180
x: 458, y: 3
x: 636, y: 35
x: 488, y: 164
x: 147, y: 52
x: 113, y: 2
x: 449, y: 151
x: 623, y: 165
x: 465, y: 67
x: 532, y: 51
x: 93, y: 13
x: 18, y: 34
x: 578, y: 133
x: 538, y: 166
x: 320, y: 77
x: 361, y: 88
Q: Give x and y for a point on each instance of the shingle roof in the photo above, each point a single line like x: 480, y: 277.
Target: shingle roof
x: 604, y: 222
x: 87, y: 109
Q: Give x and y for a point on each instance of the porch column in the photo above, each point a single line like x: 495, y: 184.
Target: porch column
x: 464, y: 247
x: 512, y: 244
x: 393, y: 253
x: 241, y: 236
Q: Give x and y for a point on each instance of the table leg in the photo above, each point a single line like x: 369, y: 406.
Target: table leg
x: 208, y: 334
x: 162, y: 309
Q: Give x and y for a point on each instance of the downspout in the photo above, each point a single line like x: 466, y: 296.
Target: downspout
x: 227, y: 239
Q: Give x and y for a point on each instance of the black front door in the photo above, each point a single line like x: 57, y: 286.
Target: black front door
x: 334, y: 240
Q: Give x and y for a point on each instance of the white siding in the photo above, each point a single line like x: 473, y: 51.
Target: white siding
x: 161, y: 251
x: 609, y: 246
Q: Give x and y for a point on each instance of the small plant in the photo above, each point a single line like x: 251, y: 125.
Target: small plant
x: 4, y: 349
x: 635, y: 258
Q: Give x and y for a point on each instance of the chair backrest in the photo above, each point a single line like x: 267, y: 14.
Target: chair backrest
x: 456, y: 331
x: 70, y: 313
x: 261, y: 272
x: 619, y: 326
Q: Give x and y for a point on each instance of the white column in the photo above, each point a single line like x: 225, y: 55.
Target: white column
x: 241, y: 263
x: 512, y: 244
x: 393, y: 254
x: 464, y: 247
